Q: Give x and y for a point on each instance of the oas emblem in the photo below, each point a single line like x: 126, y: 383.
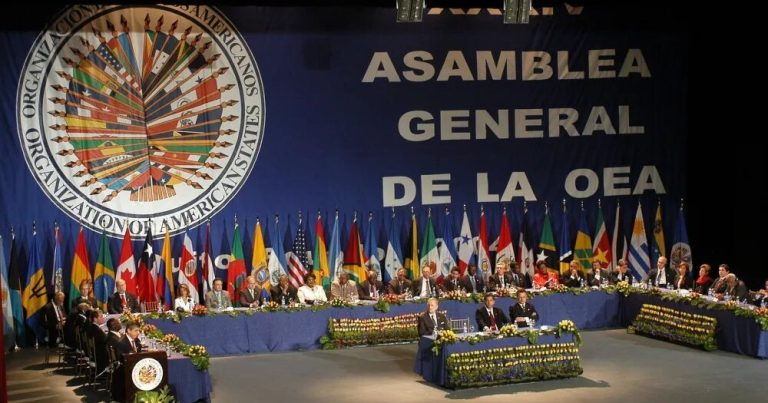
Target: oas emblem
x: 134, y: 115
x: 147, y: 374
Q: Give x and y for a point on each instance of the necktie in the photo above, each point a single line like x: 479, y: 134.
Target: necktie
x: 250, y: 291
x: 373, y: 291
x: 493, y: 318
x: 434, y: 319
x: 123, y: 301
x: 218, y: 298
x: 472, y: 280
x: 133, y: 346
x: 455, y: 286
x: 514, y: 278
x: 502, y: 281
x: 58, y: 314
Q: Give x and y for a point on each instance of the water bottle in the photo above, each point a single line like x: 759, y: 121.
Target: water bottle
x: 465, y: 327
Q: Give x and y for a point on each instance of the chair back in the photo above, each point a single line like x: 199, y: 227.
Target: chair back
x: 458, y: 325
x: 149, y: 306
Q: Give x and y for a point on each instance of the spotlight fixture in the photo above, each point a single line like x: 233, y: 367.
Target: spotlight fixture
x: 517, y: 11
x: 410, y: 10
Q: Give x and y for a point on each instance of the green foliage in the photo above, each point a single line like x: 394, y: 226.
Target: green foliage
x: 154, y: 396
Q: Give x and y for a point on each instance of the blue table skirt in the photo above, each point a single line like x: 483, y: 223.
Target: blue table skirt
x: 187, y: 382
x: 433, y: 367
x: 284, y: 331
x: 734, y: 333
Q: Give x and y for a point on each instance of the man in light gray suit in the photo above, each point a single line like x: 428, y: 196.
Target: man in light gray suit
x: 217, y: 299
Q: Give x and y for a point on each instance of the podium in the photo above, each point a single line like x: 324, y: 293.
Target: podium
x: 143, y: 372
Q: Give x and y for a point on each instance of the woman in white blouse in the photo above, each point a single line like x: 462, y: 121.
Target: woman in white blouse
x: 310, y: 293
x: 184, y: 302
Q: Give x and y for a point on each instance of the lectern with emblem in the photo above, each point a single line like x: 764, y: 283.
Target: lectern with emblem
x: 144, y: 371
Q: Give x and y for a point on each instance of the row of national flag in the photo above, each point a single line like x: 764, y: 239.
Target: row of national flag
x: 152, y: 278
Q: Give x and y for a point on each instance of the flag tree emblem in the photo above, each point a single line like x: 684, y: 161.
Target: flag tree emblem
x: 137, y: 114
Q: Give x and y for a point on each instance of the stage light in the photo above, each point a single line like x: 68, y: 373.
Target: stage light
x: 517, y: 11
x: 410, y: 10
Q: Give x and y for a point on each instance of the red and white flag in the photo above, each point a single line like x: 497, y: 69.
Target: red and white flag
x: 126, y: 270
x: 188, y: 269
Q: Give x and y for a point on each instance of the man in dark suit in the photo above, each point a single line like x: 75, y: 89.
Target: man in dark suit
x: 251, y: 295
x: 597, y: 276
x: 661, y: 275
x: 284, y: 293
x: 489, y: 317
x: 85, y: 295
x: 425, y: 286
x: 371, y: 288
x: 113, y: 334
x: 622, y: 273
x: 519, y: 280
x: 454, y: 283
x: 130, y: 343
x: 121, y: 300
x: 94, y: 332
x: 431, y: 321
x: 500, y: 279
x: 55, y: 317
x: 522, y: 309
x: 399, y: 285
x: 472, y: 282
x: 720, y: 284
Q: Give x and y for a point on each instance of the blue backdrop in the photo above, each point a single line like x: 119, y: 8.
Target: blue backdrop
x: 362, y: 114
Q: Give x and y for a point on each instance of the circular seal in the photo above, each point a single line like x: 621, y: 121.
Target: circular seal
x: 136, y: 116
x: 147, y: 374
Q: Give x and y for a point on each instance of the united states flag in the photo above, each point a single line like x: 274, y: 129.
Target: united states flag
x: 297, y: 257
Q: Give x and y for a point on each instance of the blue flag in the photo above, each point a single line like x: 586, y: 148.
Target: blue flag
x: 394, y: 257
x: 371, y: 248
x: 35, y: 296
x: 681, y: 249
x: 447, y: 248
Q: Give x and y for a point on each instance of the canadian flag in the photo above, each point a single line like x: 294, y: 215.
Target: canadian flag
x: 126, y: 270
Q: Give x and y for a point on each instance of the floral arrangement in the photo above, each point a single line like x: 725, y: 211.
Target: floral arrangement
x: 270, y: 306
x: 148, y: 328
x: 341, y: 303
x: 443, y: 337
x: 346, y: 332
x: 197, y: 354
x: 132, y: 317
x: 509, y: 330
x: 623, y: 288
x: 507, y: 292
x: 568, y: 326
x: 513, y: 364
x: 676, y: 325
x: 200, y: 310
x: 759, y: 314
x: 170, y: 338
x: 457, y: 295
x: 383, y: 304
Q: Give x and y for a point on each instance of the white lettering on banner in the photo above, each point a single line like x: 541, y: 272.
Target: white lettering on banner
x: 648, y: 179
x: 534, y: 65
x: 464, y: 125
x: 579, y: 183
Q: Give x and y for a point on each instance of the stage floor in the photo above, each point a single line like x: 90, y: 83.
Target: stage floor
x: 617, y: 366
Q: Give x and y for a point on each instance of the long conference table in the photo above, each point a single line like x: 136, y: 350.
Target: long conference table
x: 261, y: 332
x: 285, y: 331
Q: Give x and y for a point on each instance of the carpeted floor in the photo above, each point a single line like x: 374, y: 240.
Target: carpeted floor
x: 617, y: 367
